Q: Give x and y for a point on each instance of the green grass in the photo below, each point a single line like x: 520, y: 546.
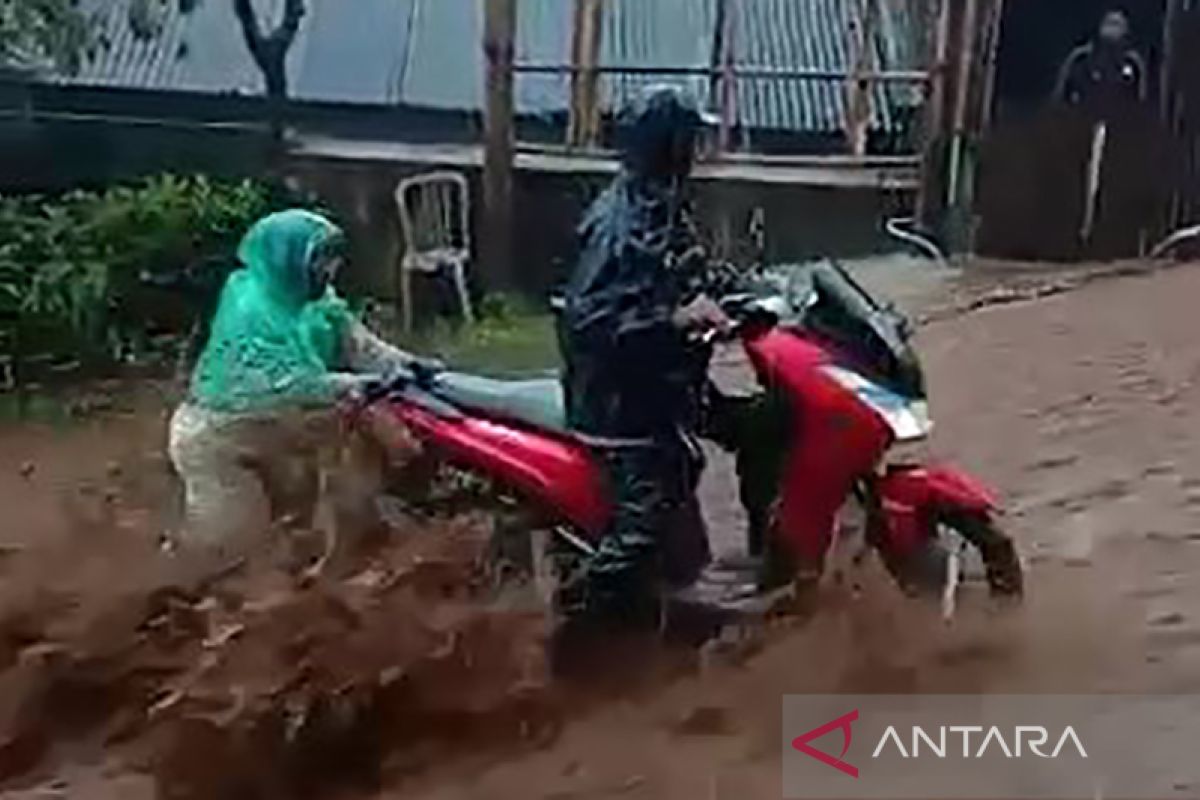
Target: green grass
x: 515, y: 346
x: 510, y: 338
x: 38, y: 408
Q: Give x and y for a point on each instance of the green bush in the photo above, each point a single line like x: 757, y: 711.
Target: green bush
x: 70, y: 266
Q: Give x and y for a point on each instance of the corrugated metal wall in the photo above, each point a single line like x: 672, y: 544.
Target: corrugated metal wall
x: 445, y: 63
x: 426, y: 53
x: 357, y: 56
x: 198, y: 52
x: 674, y: 33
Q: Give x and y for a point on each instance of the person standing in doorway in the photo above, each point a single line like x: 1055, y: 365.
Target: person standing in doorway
x: 1106, y: 74
x: 1104, y: 78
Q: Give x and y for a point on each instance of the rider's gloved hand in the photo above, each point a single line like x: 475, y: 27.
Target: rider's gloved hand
x: 356, y: 389
x: 694, y: 260
x: 425, y: 369
x: 702, y: 314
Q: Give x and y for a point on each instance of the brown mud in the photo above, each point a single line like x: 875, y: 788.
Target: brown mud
x: 407, y: 679
x: 265, y: 683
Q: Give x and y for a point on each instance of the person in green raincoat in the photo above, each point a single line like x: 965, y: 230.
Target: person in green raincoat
x: 283, y: 350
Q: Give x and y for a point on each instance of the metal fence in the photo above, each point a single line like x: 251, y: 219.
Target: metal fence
x: 841, y: 69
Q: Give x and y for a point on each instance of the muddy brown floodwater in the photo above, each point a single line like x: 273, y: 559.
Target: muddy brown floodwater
x: 1083, y: 408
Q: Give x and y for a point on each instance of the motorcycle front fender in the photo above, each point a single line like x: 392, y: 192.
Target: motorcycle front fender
x: 911, y: 496
x: 939, y: 485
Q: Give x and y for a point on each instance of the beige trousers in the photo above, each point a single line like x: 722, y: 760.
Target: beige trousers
x: 241, y: 473
x: 244, y: 476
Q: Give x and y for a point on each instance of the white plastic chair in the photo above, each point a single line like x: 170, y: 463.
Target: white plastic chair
x: 435, y: 218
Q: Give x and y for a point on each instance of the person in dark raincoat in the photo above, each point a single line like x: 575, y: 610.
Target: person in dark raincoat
x: 632, y: 381
x: 1105, y: 75
x: 1106, y: 80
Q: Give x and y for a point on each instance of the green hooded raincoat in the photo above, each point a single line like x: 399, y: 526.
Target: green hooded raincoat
x: 270, y: 347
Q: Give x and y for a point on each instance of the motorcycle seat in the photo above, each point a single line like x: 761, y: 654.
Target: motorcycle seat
x: 538, y: 402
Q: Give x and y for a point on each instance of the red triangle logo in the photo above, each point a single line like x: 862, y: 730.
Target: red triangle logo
x: 842, y: 723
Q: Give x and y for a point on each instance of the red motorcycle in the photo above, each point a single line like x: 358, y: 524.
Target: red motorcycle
x: 853, y: 388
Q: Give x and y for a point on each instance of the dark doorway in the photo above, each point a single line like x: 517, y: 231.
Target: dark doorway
x: 1035, y: 161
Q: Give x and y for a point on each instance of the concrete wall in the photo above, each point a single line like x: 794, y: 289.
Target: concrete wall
x: 58, y: 155
x: 803, y: 222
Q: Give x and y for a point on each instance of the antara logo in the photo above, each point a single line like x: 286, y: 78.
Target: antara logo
x: 1034, y: 737
x: 843, y: 723
x: 1013, y: 743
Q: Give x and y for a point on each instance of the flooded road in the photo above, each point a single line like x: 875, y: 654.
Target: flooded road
x: 1082, y: 408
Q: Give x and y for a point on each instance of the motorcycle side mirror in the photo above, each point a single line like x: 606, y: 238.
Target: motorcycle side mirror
x: 770, y: 309
x: 736, y: 305
x: 903, y: 325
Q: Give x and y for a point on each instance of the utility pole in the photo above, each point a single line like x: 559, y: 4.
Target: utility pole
x: 499, y: 34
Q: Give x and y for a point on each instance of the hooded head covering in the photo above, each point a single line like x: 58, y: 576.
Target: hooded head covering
x: 283, y: 250
x: 271, y: 344
x: 657, y: 132
x: 1114, y: 28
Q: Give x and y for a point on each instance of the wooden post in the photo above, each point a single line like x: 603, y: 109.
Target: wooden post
x: 961, y: 170
x: 1169, y: 102
x: 966, y: 62
x: 727, y: 56
x: 933, y: 176
x: 858, y: 87
x: 583, y: 129
x: 1173, y: 114
x: 993, y: 30
x: 1166, y: 69
x: 499, y: 34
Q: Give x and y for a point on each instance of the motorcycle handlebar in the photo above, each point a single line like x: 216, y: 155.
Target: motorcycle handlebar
x: 419, y: 372
x: 745, y: 312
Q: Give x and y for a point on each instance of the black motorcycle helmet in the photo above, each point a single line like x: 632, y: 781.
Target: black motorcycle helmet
x: 658, y: 132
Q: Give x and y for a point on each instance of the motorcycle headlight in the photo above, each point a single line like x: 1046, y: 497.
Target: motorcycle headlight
x: 909, y: 419
x: 909, y: 423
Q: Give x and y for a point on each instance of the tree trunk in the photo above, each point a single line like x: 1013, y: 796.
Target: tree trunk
x: 270, y: 55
